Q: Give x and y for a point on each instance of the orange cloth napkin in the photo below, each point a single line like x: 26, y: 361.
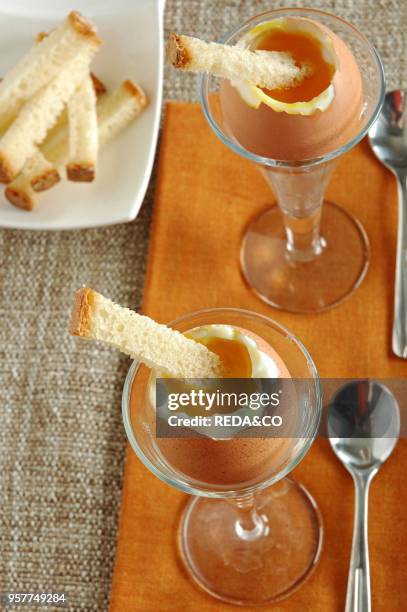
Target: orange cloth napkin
x: 205, y: 197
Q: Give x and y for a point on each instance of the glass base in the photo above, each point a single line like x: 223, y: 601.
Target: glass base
x: 256, y: 567
x: 310, y: 286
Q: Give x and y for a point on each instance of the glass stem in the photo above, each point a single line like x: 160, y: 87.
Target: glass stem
x: 303, y: 239
x: 249, y: 525
x: 300, y: 194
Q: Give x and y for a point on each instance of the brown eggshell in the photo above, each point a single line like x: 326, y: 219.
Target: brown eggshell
x: 281, y: 136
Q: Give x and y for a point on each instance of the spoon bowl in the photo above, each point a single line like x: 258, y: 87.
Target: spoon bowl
x: 363, y: 429
x: 363, y: 424
x: 388, y: 135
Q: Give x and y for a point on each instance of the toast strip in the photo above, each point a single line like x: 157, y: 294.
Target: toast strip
x: 99, y: 86
x: 158, y: 346
x: 83, y: 133
x: 41, y: 173
x: 271, y: 69
x: 21, y: 195
x: 115, y: 112
x: 43, y: 63
x: 40, y: 114
x: 44, y: 173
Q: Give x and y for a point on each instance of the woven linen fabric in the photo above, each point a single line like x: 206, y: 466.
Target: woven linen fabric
x: 61, y: 436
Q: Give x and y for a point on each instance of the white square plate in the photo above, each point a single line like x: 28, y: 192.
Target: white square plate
x: 132, y: 31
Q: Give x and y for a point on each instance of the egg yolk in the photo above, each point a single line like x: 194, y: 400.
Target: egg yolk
x: 304, y: 48
x: 233, y: 354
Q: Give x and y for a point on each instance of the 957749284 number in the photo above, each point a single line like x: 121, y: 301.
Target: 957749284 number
x: 44, y: 598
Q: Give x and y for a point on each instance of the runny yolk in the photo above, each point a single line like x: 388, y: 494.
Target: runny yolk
x: 304, y: 48
x: 233, y: 354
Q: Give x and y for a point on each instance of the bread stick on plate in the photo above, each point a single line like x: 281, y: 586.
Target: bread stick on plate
x: 44, y: 172
x: 99, y: 86
x: 41, y: 173
x: 43, y: 63
x: 83, y: 133
x: 115, y: 111
x: 40, y: 114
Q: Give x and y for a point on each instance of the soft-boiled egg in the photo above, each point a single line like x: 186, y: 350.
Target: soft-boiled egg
x: 309, y: 46
x: 316, y: 115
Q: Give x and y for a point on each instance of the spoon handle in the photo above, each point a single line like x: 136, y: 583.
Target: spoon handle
x: 400, y: 298
x: 358, y: 597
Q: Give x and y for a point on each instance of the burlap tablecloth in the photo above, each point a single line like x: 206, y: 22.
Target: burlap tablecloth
x: 61, y: 436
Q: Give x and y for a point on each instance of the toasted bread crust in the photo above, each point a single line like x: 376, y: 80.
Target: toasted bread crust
x: 20, y: 199
x: 41, y: 36
x: 136, y: 92
x: 80, y: 319
x: 7, y: 173
x: 83, y: 27
x: 81, y: 173
x: 177, y: 52
x: 98, y: 85
x: 46, y: 180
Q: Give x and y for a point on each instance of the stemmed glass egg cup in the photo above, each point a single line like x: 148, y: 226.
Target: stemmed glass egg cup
x: 250, y: 541
x: 301, y: 256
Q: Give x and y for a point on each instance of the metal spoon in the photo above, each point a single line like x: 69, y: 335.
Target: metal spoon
x: 363, y: 429
x: 388, y: 139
